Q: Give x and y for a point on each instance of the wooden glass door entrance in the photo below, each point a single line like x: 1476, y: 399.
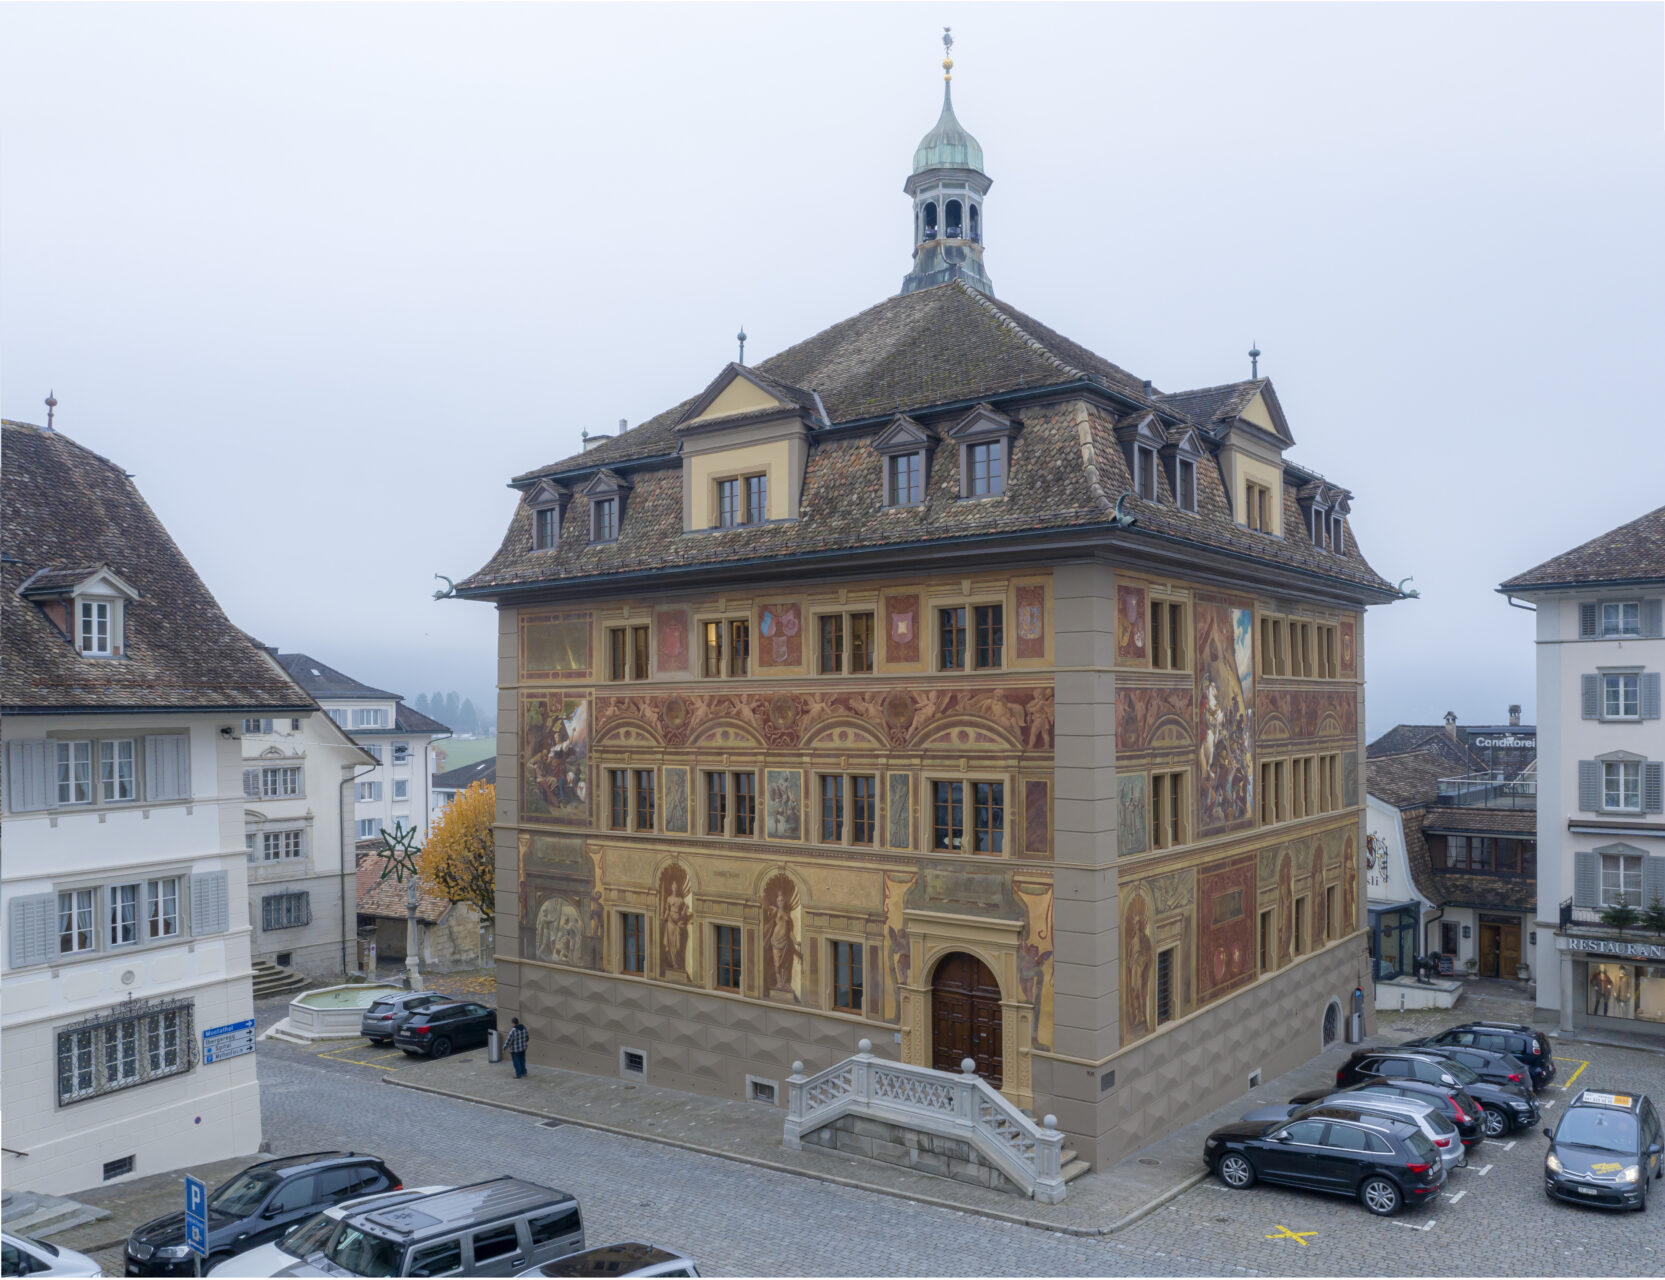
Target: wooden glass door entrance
x: 1499, y: 948
x: 966, y: 1017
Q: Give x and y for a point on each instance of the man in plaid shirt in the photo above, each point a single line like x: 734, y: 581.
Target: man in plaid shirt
x: 516, y: 1045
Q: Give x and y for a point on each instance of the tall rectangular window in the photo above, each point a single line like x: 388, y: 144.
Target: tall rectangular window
x: 1167, y: 810
x: 401, y: 789
x: 988, y: 469
x: 948, y: 815
x: 1258, y: 506
x: 644, y: 800
x: 115, y: 770
x: 745, y: 804
x: 1267, y: 961
x: 632, y: 942
x: 638, y: 653
x: 95, y: 628
x: 991, y: 634
x: 74, y: 772
x: 1332, y: 917
x: 1621, y: 785
x: 832, y: 808
x: 162, y: 908
x: 1167, y: 635
x: 728, y: 503
x: 1619, y: 696
x: 906, y: 487
x: 75, y: 921
x: 713, y: 649
x: 606, y: 512
x: 124, y: 914
x: 617, y: 660
x: 757, y: 499
x: 864, y: 808
x: 728, y: 957
x: 861, y: 643
x: 716, y: 804
x: 1145, y: 480
x: 1621, y: 876
x: 546, y: 528
x: 1618, y: 619
x: 618, y: 799
x: 847, y: 985
x: 951, y: 639
x: 1187, y: 471
x: 1165, y: 985
x: 1301, y: 925
x: 989, y: 817
x: 739, y: 648
x: 832, y: 644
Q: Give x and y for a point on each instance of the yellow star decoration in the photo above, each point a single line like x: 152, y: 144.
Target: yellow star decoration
x: 1284, y: 1233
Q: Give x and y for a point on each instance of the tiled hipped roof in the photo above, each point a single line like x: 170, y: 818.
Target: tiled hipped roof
x: 932, y: 355
x: 1633, y: 552
x: 387, y: 898
x: 64, y: 508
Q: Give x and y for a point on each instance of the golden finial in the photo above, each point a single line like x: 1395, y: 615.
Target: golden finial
x: 948, y: 49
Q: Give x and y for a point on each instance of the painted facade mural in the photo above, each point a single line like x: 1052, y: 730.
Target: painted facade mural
x: 1151, y: 718
x: 1347, y: 661
x: 780, y: 639
x: 902, y: 628
x: 783, y: 931
x: 555, y: 759
x: 1035, y: 817
x: 1031, y: 623
x: 784, y: 811
x: 1130, y: 625
x: 1132, y: 825
x: 1225, y: 748
x: 676, y: 922
x: 898, y: 949
x: 671, y: 640
x: 676, y: 799
x: 1138, y: 963
x: 554, y: 646
x: 1307, y: 714
x: 900, y: 812
x: 557, y: 885
x: 1226, y: 928
x: 1035, y: 954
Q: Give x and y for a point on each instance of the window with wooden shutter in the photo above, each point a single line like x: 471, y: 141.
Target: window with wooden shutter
x: 1653, y: 787
x: 167, y: 767
x: 1591, y: 699
x: 1653, y: 880
x: 1585, y: 885
x: 1589, y: 785
x: 1587, y: 620
x: 26, y: 776
x: 1650, y: 695
x: 251, y: 782
x: 210, y: 911
x: 33, y: 930
x: 1652, y: 619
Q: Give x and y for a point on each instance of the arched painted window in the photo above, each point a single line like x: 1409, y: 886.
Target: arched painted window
x: 954, y: 228
x: 976, y: 228
x: 930, y: 220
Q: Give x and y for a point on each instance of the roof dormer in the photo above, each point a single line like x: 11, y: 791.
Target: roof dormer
x: 1142, y: 438
x: 88, y: 605
x: 548, y: 503
x: 1181, y: 456
x: 905, y: 448
x: 744, y: 445
x: 606, y: 491
x: 984, y: 437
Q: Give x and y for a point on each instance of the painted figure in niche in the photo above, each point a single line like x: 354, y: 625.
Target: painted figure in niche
x: 785, y: 813
x: 1131, y: 823
x: 1286, y: 907
x: 1031, y: 621
x: 1349, y: 887
x: 560, y: 932
x: 1347, y: 646
x: 556, y: 753
x: 899, y: 955
x: 676, y: 915
x: 1034, y: 957
x: 672, y: 628
x: 1040, y: 718
x: 782, y: 920
x: 676, y: 800
x: 1225, y: 794
x: 1130, y: 624
x: 1138, y: 958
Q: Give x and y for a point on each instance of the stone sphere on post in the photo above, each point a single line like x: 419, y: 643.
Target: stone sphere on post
x: 797, y: 1068
x: 864, y: 1046
x: 1049, y: 1122
x: 968, y: 1066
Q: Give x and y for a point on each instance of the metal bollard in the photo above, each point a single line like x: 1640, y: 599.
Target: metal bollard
x: 494, y: 1046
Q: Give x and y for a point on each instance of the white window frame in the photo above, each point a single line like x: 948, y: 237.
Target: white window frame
x: 119, y: 897
x: 69, y: 758
x: 78, y: 909
x: 96, y: 629
x: 369, y: 792
x: 369, y: 717
x: 1621, y: 696
x: 373, y: 749
x: 1618, y: 877
x: 401, y: 753
x: 162, y: 917
x: 368, y: 828
x: 115, y: 787
x: 914, y: 459
x: 1626, y: 615
x: 279, y: 846
x: 401, y: 788
x: 1621, y: 778
x: 280, y: 782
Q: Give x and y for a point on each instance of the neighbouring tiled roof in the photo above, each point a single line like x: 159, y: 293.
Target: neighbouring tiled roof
x: 467, y: 775
x: 1208, y: 405
x: 1633, y: 552
x: 1489, y: 822
x: 1403, y: 738
x: 388, y: 898
x: 1410, y: 780
x: 1417, y: 856
x: 323, y: 681
x: 930, y: 354
x: 409, y: 720
x: 1478, y: 889
x: 65, y: 508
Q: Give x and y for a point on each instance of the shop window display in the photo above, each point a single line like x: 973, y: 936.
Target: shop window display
x: 1626, y: 991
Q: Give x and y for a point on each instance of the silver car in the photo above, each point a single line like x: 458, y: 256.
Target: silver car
x: 616, y: 1260
x: 1435, y: 1125
x: 385, y: 1013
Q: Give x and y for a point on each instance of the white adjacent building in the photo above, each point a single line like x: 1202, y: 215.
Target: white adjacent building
x: 395, y: 793
x: 126, y: 1004
x: 1601, y: 775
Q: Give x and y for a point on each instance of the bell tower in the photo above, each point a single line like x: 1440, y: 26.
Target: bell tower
x: 947, y: 185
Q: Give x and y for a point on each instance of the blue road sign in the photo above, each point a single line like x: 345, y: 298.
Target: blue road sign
x: 196, y: 1215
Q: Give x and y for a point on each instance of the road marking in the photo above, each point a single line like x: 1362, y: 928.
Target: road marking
x: 1582, y: 1063
x: 334, y: 1055
x: 1459, y: 1196
x: 1284, y: 1233
x: 1484, y: 1170
x: 1396, y: 1223
x: 1510, y: 1145
x: 1545, y: 1106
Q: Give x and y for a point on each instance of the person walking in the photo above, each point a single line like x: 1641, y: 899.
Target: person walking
x: 516, y: 1045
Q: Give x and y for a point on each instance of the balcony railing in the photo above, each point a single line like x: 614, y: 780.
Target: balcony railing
x: 1487, y: 791
x: 1571, y: 915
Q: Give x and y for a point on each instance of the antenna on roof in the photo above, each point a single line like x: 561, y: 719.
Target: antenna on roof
x: 51, y: 404
x: 742, y: 337
x: 1254, y: 359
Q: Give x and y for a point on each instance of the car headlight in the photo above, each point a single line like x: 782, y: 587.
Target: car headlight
x: 1212, y: 1142
x: 174, y: 1251
x: 1550, y: 1162
x: 1631, y: 1174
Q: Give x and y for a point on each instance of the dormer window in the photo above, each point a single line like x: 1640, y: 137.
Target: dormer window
x: 904, y: 480
x: 987, y: 469
x: 1338, y: 533
x: 88, y: 607
x: 546, y: 528
x: 1257, y: 507
x: 905, y: 449
x: 1144, y: 462
x: 1181, y: 455
x: 1187, y: 486
x: 95, y: 628
x: 985, y: 439
x: 604, y: 520
x: 742, y: 500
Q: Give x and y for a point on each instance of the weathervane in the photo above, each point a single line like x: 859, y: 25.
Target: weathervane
x: 1254, y: 359
x: 948, y: 52
x: 51, y: 404
x: 742, y: 338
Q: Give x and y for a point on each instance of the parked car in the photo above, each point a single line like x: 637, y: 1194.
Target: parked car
x: 1422, y: 1112
x: 1607, y: 1150
x: 257, y: 1206
x: 312, y: 1235
x: 618, y: 1260
x: 1503, y: 1106
x: 1516, y: 1039
x: 26, y: 1256
x: 1455, y: 1105
x: 1384, y: 1161
x: 495, y: 1228
x: 1502, y: 1068
x: 440, y: 1028
x: 381, y: 1019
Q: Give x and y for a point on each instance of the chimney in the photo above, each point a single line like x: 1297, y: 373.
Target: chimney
x: 1451, y: 725
x: 624, y: 425
x: 1514, y: 713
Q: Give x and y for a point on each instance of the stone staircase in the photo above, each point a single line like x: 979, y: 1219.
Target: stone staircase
x: 270, y: 980
x: 34, y: 1213
x: 1072, y: 1166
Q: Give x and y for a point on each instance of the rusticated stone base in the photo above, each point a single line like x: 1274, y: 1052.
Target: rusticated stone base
x: 924, y: 1152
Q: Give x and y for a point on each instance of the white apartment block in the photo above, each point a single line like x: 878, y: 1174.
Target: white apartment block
x: 1601, y: 776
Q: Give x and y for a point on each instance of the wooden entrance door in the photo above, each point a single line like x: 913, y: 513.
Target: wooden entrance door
x: 1510, y: 955
x: 966, y: 1017
x: 1491, y: 950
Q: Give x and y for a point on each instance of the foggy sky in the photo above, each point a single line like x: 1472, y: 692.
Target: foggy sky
x: 325, y: 276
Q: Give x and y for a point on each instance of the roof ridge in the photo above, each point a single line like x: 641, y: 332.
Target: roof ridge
x: 1197, y: 391
x: 991, y: 304
x: 1089, y: 458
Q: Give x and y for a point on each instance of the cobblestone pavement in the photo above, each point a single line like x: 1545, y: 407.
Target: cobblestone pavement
x: 1492, y: 1219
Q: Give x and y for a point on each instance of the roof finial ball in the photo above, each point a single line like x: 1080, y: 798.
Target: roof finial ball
x: 948, y: 53
x: 51, y: 404
x: 1254, y: 360
x: 741, y: 336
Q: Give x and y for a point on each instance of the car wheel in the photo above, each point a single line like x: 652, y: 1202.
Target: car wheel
x: 1235, y: 1171
x: 1493, y: 1122
x: 442, y: 1047
x: 1381, y: 1197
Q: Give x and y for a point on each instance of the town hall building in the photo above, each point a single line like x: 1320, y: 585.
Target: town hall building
x: 939, y: 683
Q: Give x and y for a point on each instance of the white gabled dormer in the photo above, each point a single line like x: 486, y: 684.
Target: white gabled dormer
x: 744, y: 444
x: 87, y: 605
x: 1252, y: 442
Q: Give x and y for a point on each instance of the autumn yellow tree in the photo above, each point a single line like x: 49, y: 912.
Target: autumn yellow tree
x: 459, y: 862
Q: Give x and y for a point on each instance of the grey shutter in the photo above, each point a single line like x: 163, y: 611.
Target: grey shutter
x: 1653, y: 880
x: 26, y: 776
x: 1651, y: 620
x: 251, y: 782
x: 1650, y: 695
x: 1589, y: 786
x: 1653, y: 786
x: 210, y: 912
x: 1584, y: 878
x: 1592, y: 697
x: 168, y: 766
x: 1587, y: 620
x: 33, y: 928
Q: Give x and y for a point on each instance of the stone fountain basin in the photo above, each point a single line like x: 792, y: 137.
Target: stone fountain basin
x: 330, y: 1013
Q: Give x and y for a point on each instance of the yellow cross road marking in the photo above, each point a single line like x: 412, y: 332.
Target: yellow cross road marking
x: 334, y: 1055
x: 1284, y: 1233
x: 1582, y: 1063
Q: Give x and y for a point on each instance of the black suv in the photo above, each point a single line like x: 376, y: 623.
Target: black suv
x: 1606, y: 1150
x: 1455, y: 1105
x: 1516, y: 1039
x: 257, y: 1206
x: 440, y: 1028
x: 1503, y: 1106
x: 1502, y: 1068
x: 1383, y: 1161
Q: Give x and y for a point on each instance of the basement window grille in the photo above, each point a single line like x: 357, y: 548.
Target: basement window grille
x: 632, y: 1062
x: 132, y: 1044
x: 118, y: 1168
x: 285, y: 910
